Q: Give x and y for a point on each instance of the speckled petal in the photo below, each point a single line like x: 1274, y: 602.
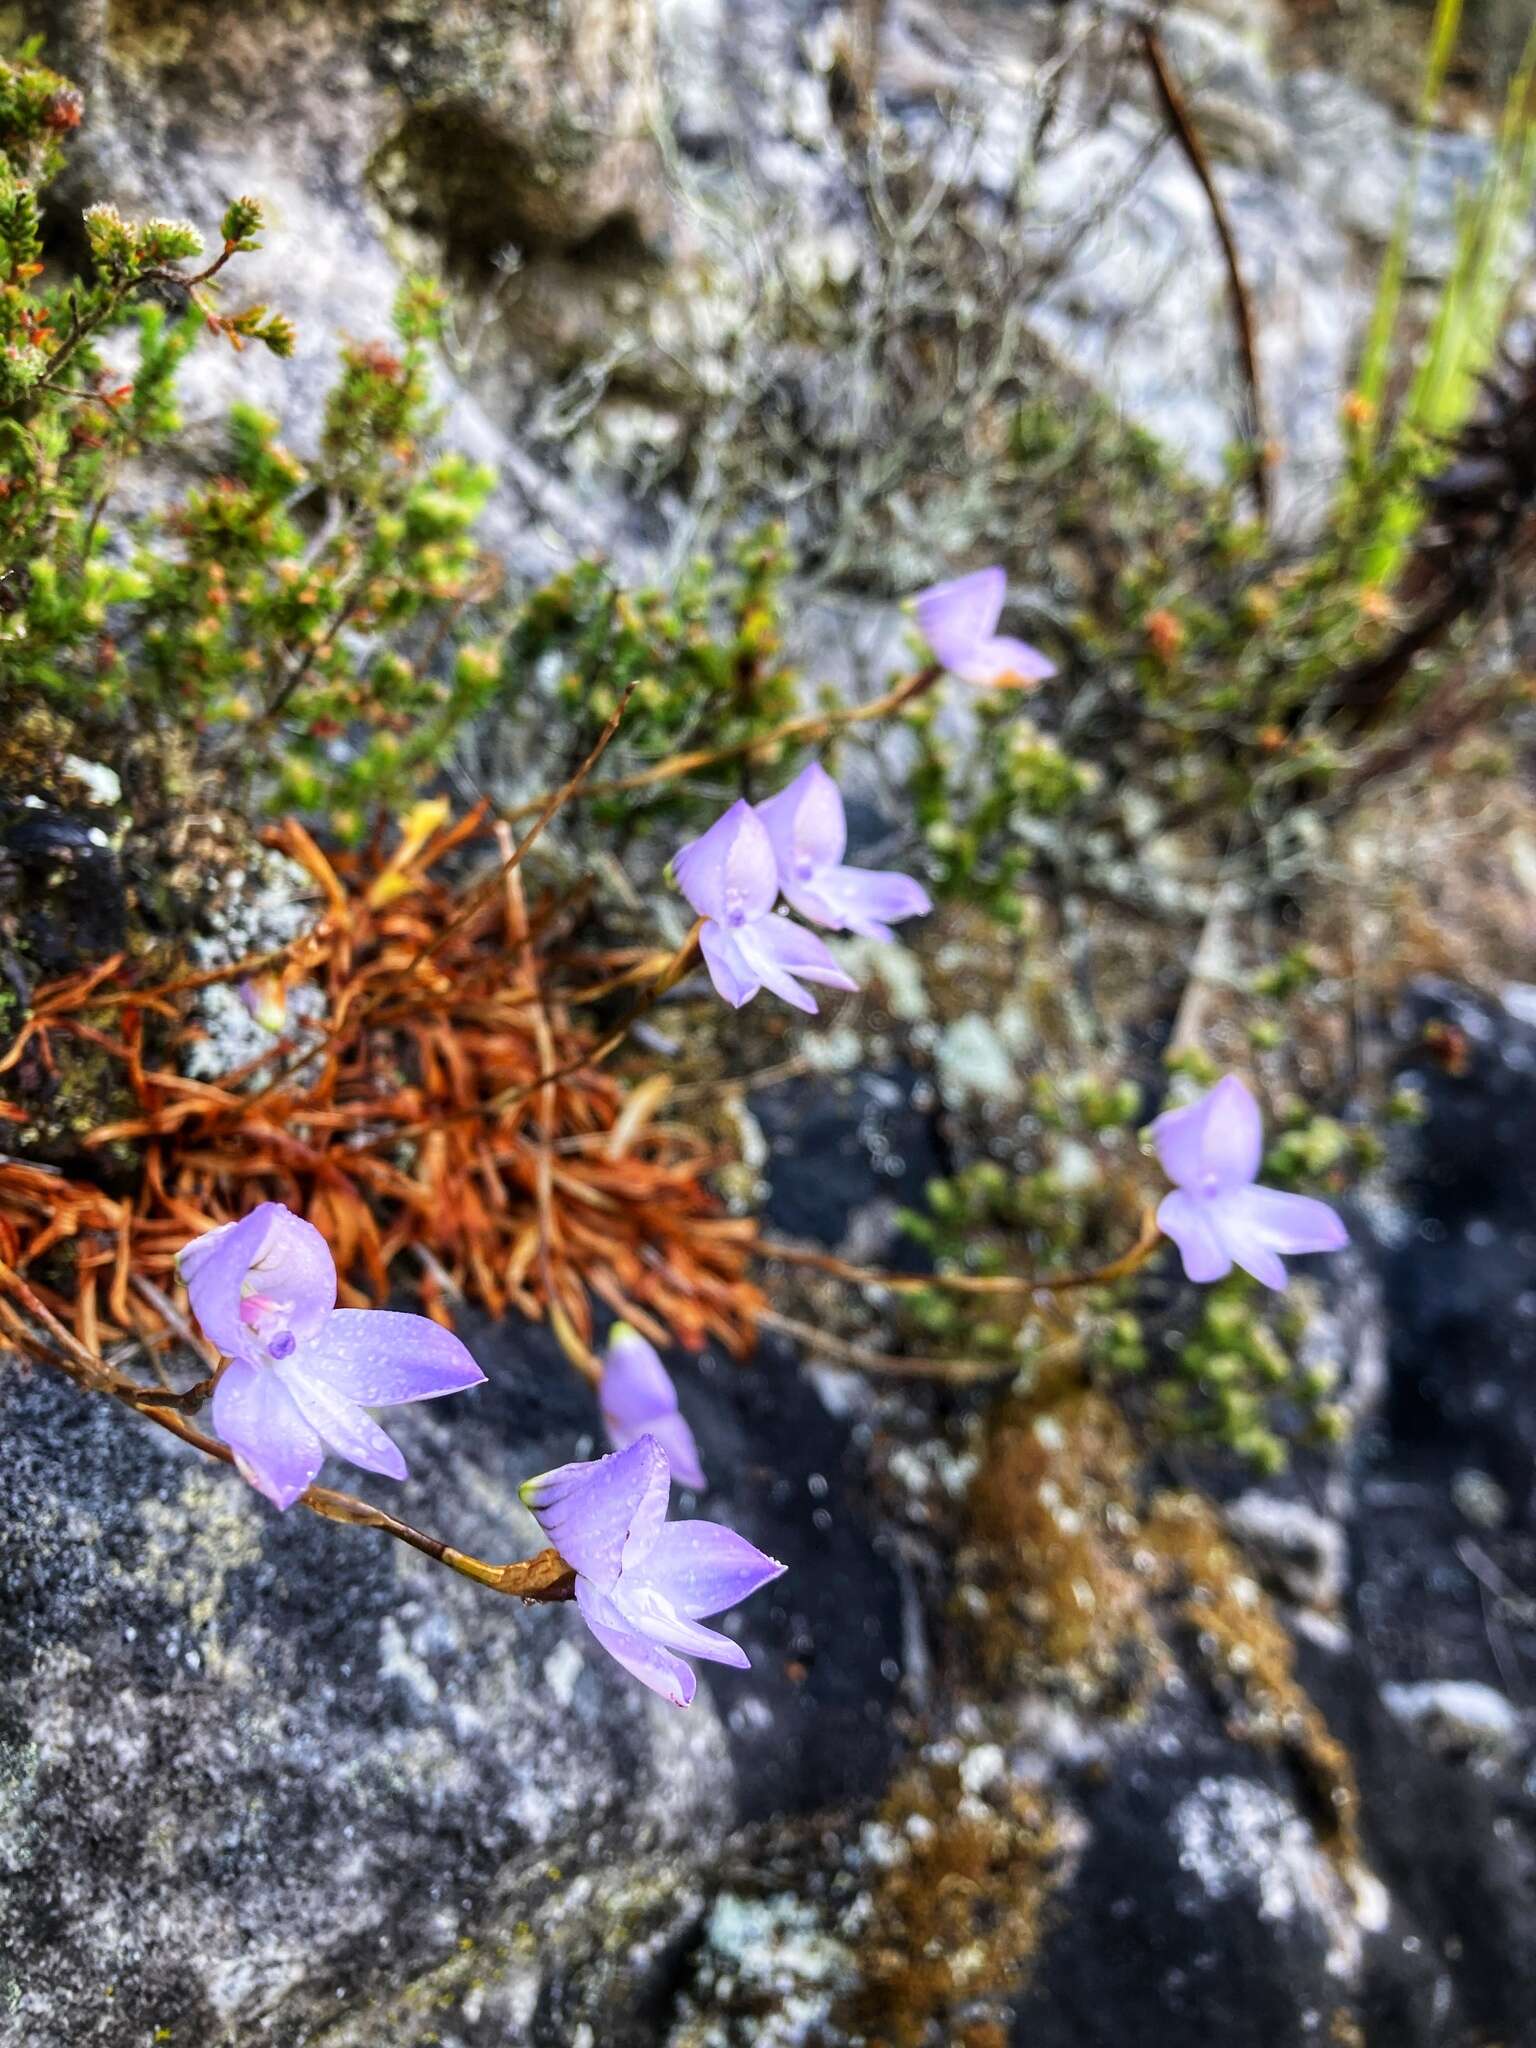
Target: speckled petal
x: 604, y: 1514
x: 379, y: 1357
x: 275, y: 1448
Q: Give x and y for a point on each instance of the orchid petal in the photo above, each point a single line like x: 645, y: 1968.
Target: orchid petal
x: 778, y: 950
x: 643, y: 1659
x: 733, y: 978
x: 636, y: 1395
x: 729, y: 873
x: 604, y: 1514
x: 350, y: 1431
x: 275, y: 1448
x: 270, y: 1252
x: 1214, y: 1143
x: 1004, y: 663
x: 1188, y: 1220
x: 703, y: 1568
x: 806, y: 825
x: 863, y: 900
x: 380, y: 1358
x: 956, y: 617
x: 680, y: 1450
x: 1256, y: 1224
x: 655, y: 1618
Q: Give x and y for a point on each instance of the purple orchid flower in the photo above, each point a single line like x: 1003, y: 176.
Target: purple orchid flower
x: 809, y: 832
x: 302, y: 1372
x: 959, y: 622
x: 1216, y: 1215
x: 638, y: 1399
x: 730, y: 878
x: 642, y: 1582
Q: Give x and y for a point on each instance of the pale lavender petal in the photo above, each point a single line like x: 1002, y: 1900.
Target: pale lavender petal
x: 1187, y: 1219
x: 1215, y: 1142
x: 1001, y: 661
x: 863, y: 900
x: 704, y: 1568
x: 649, y: 1615
x: 272, y: 1254
x: 636, y: 1395
x: 731, y: 974
x: 806, y: 825
x: 729, y: 873
x: 1257, y: 1224
x: 778, y: 950
x: 956, y: 617
x: 379, y: 1357
x: 645, y: 1660
x: 274, y: 1447
x: 679, y: 1449
x: 350, y: 1431
x: 603, y: 1514
x: 635, y: 1387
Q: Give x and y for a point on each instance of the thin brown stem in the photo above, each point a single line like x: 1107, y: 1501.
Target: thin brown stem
x: 888, y: 1364
x: 971, y: 1283
x: 1188, y: 138
x: 807, y: 727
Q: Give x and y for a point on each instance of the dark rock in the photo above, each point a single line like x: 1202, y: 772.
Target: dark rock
x: 65, y: 889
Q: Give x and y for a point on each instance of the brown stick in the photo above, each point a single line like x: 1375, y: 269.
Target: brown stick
x: 1242, y: 310
x: 890, y: 1364
x: 971, y: 1283
x: 809, y: 726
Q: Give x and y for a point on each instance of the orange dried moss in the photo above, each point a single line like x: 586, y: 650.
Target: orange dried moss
x: 388, y: 1128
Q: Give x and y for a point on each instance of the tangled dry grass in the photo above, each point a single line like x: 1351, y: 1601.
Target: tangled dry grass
x: 410, y: 1124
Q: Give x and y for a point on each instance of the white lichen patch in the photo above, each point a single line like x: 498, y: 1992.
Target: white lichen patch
x: 974, y: 1065
x: 265, y: 906
x: 190, y: 1547
x: 1236, y: 1838
x: 772, y: 1959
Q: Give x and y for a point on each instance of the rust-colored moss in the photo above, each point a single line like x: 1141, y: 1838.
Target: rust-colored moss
x: 1250, y: 1660
x: 957, y: 1919
x: 1051, y: 1591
